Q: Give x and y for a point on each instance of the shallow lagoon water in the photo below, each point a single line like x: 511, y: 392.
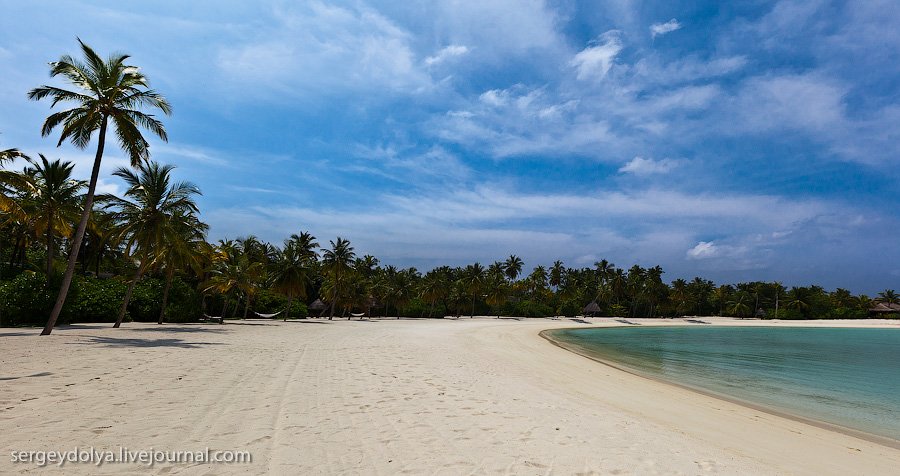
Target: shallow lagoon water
x: 844, y: 376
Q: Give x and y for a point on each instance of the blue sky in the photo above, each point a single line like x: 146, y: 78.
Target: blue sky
x: 732, y: 140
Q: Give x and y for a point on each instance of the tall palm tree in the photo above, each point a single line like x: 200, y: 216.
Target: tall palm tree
x: 473, y: 277
x: 53, y: 199
x: 147, y: 214
x: 435, y: 286
x: 338, y: 261
x: 557, y: 272
x: 497, y: 290
x: 513, y: 266
x: 292, y: 272
x: 182, y: 247
x: 109, y: 91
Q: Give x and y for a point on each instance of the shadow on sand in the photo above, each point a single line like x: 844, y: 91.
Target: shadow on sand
x: 131, y: 342
x: 41, y: 374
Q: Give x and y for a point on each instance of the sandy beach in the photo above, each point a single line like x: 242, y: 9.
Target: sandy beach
x: 467, y: 396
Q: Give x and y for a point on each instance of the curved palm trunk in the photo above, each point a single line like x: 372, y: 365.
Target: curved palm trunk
x: 49, y: 249
x: 165, y: 300
x: 473, y: 307
x: 246, y: 306
x: 137, y: 277
x: 79, y: 233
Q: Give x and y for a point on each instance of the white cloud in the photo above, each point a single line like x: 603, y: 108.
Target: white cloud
x: 495, y: 97
x: 659, y: 29
x: 498, y: 29
x: 807, y: 102
x: 703, y: 250
x: 642, y: 166
x: 594, y: 62
x: 446, y: 53
x: 316, y: 48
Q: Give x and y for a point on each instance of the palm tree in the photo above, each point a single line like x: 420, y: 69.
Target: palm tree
x: 147, y: 214
x: 337, y: 262
x: 799, y: 299
x: 292, y: 272
x: 435, y: 286
x: 888, y: 296
x: 557, y: 272
x: 738, y: 305
x: 10, y: 181
x: 497, y: 290
x: 779, y: 291
x: 473, y: 278
x: 106, y: 91
x: 53, y: 196
x: 513, y: 267
x: 182, y: 247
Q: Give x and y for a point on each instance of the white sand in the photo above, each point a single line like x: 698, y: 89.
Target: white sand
x: 388, y: 397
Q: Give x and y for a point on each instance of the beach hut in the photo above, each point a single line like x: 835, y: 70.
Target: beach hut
x: 591, y: 309
x: 318, y: 305
x: 882, y: 308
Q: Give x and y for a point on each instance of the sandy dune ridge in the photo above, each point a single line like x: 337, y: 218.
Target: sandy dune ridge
x: 467, y: 396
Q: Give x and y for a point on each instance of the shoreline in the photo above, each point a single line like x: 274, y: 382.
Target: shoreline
x: 782, y: 413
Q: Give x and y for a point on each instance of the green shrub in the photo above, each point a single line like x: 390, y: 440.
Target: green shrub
x: 93, y: 299
x: 569, y: 309
x: 415, y: 308
x: 532, y: 309
x: 26, y: 300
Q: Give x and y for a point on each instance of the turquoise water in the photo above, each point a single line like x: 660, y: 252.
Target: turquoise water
x: 848, y: 377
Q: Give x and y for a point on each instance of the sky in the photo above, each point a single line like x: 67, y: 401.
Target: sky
x: 738, y: 141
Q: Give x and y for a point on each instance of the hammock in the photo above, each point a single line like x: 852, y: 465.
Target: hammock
x: 357, y: 315
x: 267, y: 316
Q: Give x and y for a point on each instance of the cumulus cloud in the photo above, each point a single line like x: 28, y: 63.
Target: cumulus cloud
x: 642, y: 166
x: 659, y: 29
x: 595, y: 61
x: 445, y: 54
x: 703, y: 250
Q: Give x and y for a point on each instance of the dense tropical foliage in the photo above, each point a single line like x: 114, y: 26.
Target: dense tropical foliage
x: 145, y: 256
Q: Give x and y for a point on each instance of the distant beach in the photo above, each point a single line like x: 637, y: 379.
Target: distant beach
x: 392, y: 396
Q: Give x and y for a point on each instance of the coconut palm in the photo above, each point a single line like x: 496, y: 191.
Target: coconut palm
x: 557, y: 273
x: 888, y: 296
x: 292, y: 271
x: 148, y: 214
x: 513, y: 267
x: 435, y: 286
x: 182, y: 247
x: 109, y: 91
x: 338, y: 261
x: 799, y: 299
x: 497, y: 290
x: 739, y: 305
x: 235, y: 275
x: 473, y: 279
x: 10, y: 182
x: 52, y: 200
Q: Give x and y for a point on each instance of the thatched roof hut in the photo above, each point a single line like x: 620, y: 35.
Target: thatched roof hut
x: 318, y: 305
x: 591, y: 309
x: 884, y: 308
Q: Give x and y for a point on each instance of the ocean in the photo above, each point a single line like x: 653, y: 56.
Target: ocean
x: 845, y: 376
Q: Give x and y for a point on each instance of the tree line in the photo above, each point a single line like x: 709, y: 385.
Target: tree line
x: 56, y: 230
